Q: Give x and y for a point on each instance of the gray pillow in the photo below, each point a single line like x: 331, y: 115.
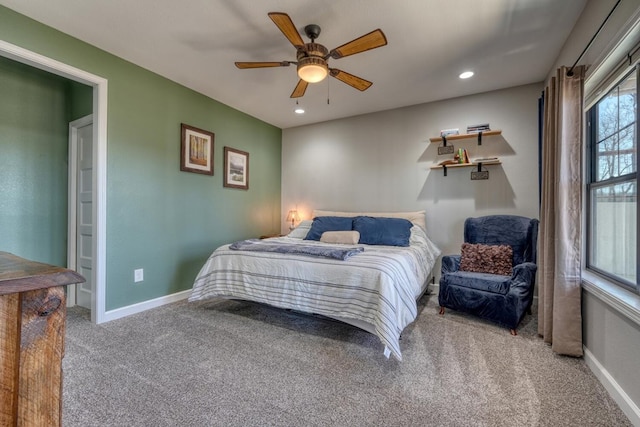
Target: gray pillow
x: 300, y: 232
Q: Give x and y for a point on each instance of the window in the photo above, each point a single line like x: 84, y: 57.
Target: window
x: 612, y: 184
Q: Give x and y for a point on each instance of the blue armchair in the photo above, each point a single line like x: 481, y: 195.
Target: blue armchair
x: 501, y: 299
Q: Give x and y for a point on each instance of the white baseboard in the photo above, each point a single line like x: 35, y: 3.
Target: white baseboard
x: 145, y: 305
x: 628, y: 406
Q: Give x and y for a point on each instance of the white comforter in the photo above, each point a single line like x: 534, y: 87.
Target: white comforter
x: 378, y: 286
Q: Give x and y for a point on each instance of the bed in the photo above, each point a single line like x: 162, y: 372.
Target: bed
x: 355, y: 280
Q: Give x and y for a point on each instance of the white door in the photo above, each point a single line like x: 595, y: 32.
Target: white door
x: 81, y: 201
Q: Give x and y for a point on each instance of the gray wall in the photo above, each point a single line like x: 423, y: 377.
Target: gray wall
x: 611, y: 339
x: 613, y: 342
x: 382, y: 162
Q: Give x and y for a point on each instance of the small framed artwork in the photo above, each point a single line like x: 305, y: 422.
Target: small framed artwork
x: 236, y: 168
x: 196, y: 150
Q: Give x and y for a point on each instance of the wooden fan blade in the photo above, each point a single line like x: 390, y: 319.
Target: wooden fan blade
x: 285, y: 24
x: 374, y: 39
x: 261, y: 64
x: 301, y: 87
x: 354, y: 81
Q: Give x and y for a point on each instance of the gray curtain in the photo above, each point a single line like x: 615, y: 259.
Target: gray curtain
x: 559, y: 292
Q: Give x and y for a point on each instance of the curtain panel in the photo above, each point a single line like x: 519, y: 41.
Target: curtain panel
x: 559, y: 253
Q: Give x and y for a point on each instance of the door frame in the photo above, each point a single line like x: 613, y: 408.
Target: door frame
x: 72, y: 215
x: 99, y: 85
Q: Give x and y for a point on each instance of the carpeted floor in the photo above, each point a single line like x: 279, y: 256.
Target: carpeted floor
x: 231, y: 363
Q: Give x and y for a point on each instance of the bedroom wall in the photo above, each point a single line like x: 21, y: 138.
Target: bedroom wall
x: 382, y: 162
x: 35, y: 110
x: 611, y: 319
x: 159, y: 218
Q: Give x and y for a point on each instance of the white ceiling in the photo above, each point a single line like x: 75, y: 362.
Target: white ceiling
x: 196, y: 42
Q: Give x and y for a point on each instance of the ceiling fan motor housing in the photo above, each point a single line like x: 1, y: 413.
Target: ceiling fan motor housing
x: 312, y: 50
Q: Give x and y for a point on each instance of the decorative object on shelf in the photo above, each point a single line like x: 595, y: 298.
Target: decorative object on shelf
x: 479, y: 174
x: 293, y: 217
x: 486, y: 160
x: 445, y: 149
x: 196, y: 150
x: 447, y: 132
x: 462, y: 156
x: 236, y: 168
x: 483, y: 127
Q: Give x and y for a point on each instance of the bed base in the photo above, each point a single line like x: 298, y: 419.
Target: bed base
x: 370, y: 327
x: 360, y: 324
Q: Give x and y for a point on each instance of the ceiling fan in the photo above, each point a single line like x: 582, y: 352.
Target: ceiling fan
x: 312, y: 57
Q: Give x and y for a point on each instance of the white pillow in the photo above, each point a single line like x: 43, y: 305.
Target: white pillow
x: 300, y: 232
x: 341, y: 237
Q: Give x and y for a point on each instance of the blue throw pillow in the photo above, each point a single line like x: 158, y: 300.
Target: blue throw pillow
x: 328, y: 223
x: 383, y: 231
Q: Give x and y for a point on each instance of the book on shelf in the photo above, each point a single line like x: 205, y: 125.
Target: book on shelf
x: 462, y: 156
x: 478, y: 128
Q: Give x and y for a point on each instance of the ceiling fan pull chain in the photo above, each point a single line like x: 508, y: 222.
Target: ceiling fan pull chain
x: 328, y: 84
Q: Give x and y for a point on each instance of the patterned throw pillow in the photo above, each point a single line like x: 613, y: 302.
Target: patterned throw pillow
x: 494, y: 259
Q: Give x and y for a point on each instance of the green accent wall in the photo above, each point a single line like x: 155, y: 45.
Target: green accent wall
x: 159, y: 218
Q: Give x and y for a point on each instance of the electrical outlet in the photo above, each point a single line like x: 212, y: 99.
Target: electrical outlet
x: 138, y: 275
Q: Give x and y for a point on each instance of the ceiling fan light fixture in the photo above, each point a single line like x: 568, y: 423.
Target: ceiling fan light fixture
x: 312, y: 69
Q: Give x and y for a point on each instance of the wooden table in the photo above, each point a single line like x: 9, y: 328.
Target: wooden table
x: 32, y: 321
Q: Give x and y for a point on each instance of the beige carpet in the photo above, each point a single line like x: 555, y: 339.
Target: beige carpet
x: 230, y: 363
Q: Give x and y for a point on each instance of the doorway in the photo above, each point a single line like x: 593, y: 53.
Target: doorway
x: 99, y: 162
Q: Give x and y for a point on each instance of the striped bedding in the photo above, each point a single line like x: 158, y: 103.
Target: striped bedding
x: 378, y: 286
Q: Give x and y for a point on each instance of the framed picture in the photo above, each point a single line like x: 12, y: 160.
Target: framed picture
x: 236, y: 168
x: 196, y: 150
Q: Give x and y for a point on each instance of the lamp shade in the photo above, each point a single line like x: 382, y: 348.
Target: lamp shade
x: 293, y: 215
x: 312, y: 69
x: 312, y: 73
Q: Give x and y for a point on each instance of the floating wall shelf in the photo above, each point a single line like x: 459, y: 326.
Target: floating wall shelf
x: 477, y: 136
x: 475, y: 175
x: 483, y: 175
x: 467, y: 165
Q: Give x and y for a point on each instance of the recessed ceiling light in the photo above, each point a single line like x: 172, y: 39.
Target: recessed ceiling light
x: 466, y: 75
x: 299, y: 110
